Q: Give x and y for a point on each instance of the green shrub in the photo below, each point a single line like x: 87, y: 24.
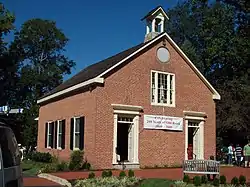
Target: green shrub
x: 122, y: 174
x: 54, y: 159
x: 216, y: 182
x: 28, y: 156
x: 109, y: 173
x: 71, y: 166
x: 86, y: 166
x: 176, y: 166
x: 204, y: 179
x: 104, y: 173
x: 186, y: 179
x: 107, y: 182
x: 197, y: 180
x: 211, y: 157
x: 235, y: 181
x: 76, y: 160
x: 223, y: 179
x: 131, y: 173
x: 48, y: 168
x: 91, y: 175
x: 63, y: 166
x: 242, y: 180
x: 40, y: 157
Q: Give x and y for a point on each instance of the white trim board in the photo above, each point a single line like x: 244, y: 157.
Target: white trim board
x: 127, y: 107
x: 99, y: 79
x: 72, y: 88
x: 160, y: 8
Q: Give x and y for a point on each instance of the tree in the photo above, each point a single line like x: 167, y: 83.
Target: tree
x: 215, y: 36
x: 39, y: 47
x: 6, y: 25
x: 8, y: 66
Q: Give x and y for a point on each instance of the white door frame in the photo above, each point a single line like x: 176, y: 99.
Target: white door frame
x: 134, y: 112
x: 200, y: 117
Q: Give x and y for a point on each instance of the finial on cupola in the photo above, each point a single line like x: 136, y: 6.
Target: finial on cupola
x: 155, y: 20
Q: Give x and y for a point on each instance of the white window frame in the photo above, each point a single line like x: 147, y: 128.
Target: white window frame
x: 74, y: 133
x: 49, y: 123
x: 57, y: 139
x: 156, y: 89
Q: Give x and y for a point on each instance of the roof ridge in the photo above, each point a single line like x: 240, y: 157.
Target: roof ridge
x: 101, y: 61
x: 88, y: 69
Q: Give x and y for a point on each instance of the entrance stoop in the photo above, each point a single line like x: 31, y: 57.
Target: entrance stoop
x: 124, y: 166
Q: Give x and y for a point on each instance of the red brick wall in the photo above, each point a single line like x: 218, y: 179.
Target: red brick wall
x: 78, y: 105
x: 131, y: 85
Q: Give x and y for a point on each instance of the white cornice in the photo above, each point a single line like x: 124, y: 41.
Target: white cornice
x: 126, y: 107
x: 72, y: 88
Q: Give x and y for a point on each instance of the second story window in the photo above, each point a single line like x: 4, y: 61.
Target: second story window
x: 162, y: 88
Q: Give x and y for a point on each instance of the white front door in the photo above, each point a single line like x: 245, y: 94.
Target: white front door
x: 195, y: 130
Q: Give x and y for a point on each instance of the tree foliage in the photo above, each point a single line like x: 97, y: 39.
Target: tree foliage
x: 31, y: 65
x: 38, y: 47
x: 215, y: 36
x: 8, y: 66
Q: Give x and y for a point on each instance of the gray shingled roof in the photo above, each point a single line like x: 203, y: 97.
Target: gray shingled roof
x: 94, y: 70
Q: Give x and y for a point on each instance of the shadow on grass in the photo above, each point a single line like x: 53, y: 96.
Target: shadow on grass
x: 31, y: 168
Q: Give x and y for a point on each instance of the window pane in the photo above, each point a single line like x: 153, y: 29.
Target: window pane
x: 171, y: 89
x: 60, y: 140
x: 171, y: 82
x: 162, y: 88
x: 77, y: 140
x: 77, y: 125
x: 49, y: 140
x: 60, y: 127
x: 50, y: 128
x: 153, y: 87
x: 171, y: 98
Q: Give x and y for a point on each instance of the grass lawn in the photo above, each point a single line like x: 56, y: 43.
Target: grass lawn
x: 30, y: 168
x: 156, y: 183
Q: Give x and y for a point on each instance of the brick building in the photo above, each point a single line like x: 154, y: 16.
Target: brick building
x: 146, y: 106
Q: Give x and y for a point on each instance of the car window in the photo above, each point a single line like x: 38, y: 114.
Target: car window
x: 9, y: 147
x: 0, y: 161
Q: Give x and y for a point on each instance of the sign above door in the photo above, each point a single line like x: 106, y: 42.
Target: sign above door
x: 163, y: 122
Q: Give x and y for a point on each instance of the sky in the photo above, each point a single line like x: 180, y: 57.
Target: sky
x: 96, y: 29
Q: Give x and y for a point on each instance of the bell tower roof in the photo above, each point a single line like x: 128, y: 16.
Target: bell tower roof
x: 155, y: 22
x: 155, y: 12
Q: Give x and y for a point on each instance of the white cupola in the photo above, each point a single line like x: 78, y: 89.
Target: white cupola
x: 155, y: 22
